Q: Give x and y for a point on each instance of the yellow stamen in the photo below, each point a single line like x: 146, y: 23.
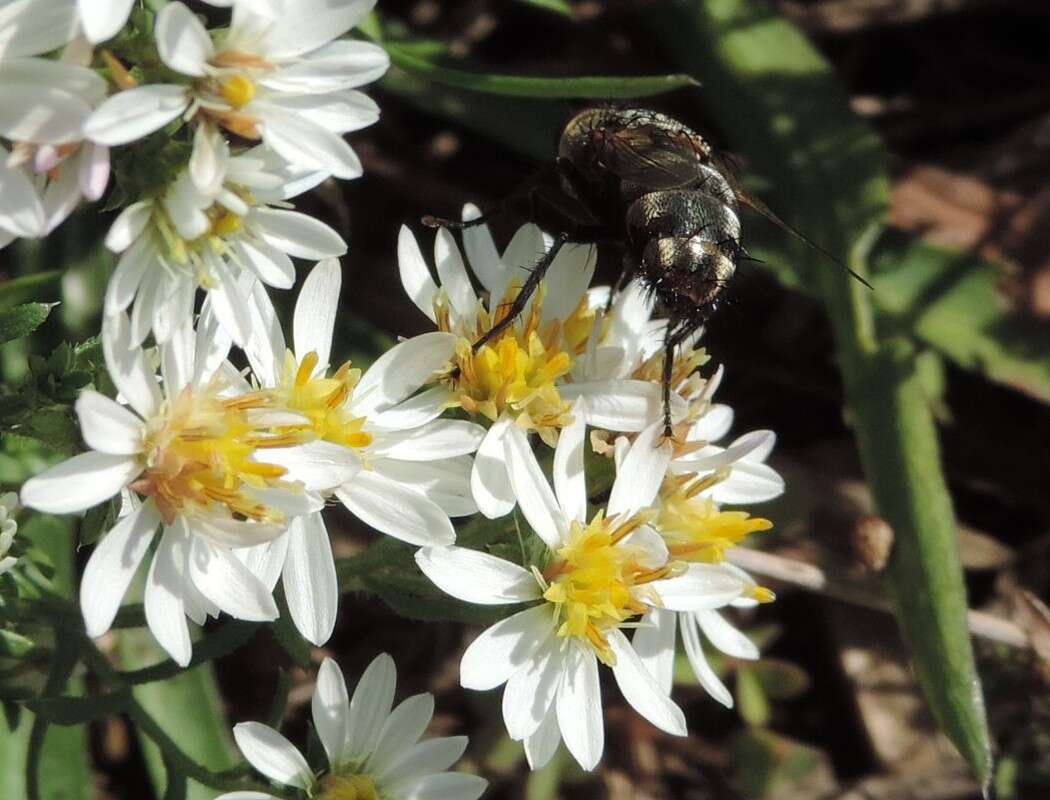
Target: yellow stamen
x: 348, y: 787
x: 695, y: 529
x: 239, y: 90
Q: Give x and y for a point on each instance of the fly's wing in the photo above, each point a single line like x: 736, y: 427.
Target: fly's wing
x: 652, y: 154
x: 730, y: 171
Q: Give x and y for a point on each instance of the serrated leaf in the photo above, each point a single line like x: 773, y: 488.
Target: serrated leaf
x: 22, y: 320
x: 592, y: 86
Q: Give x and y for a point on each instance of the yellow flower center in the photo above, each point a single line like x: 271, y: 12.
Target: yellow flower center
x: 596, y: 582
x: 239, y: 90
x: 518, y: 370
x: 694, y: 528
x: 323, y: 401
x: 348, y: 787
x: 202, y: 452
x: 223, y: 224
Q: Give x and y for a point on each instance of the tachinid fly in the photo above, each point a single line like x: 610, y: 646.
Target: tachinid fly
x: 643, y: 179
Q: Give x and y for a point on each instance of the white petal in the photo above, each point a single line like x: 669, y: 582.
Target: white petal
x: 542, y: 744
x: 310, y: 583
x: 530, y: 690
x: 425, y: 758
x: 225, y: 581
x: 747, y: 483
x: 713, y: 425
x: 701, y: 587
x: 570, y: 482
x: 641, y: 690
x: 489, y: 480
x: 415, y: 276
x: 265, y: 561
x: 40, y: 114
x: 330, y: 708
x: 132, y: 267
x: 315, y: 310
x: 445, y: 482
x: 453, y: 274
x: 165, y: 585
x: 442, y: 438
x: 369, y: 707
x: 639, y: 477
x: 535, y: 497
x: 568, y: 279
x: 481, y: 250
x: 624, y: 406
x: 579, y: 706
x: 477, y: 577
x: 296, y: 234
x: 525, y: 249
x: 107, y: 426
x: 402, y: 729
x: 714, y: 457
x: 303, y: 142
x: 402, y: 370
x: 396, y: 510
x: 701, y: 668
x: 103, y: 19
x: 313, y: 24
x: 134, y: 113
x: 227, y: 532
x: 654, y: 643
x: 127, y: 367
x: 417, y: 410
x: 443, y: 786
x: 112, y: 565
x: 505, y: 647
x: 210, y: 157
x: 21, y: 212
x: 129, y: 225
x: 79, y: 483
x: 725, y: 637
x: 182, y: 42
x: 273, y: 267
x: 336, y: 66
x: 29, y: 27
x: 93, y: 174
x: 320, y: 466
x: 229, y: 302
x: 272, y: 754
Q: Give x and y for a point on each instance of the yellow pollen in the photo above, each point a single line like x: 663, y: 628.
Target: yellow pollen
x: 762, y: 594
x: 239, y: 90
x: 517, y: 371
x: 201, y: 453
x: 695, y: 529
x: 348, y: 787
x: 323, y: 401
x: 596, y: 583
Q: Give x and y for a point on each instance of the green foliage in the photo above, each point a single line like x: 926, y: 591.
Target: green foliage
x: 22, y: 320
x: 28, y: 287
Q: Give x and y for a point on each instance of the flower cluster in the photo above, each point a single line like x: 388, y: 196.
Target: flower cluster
x: 222, y: 471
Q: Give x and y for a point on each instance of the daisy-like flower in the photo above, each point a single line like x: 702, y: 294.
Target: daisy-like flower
x: 374, y: 750
x: 416, y: 467
x: 8, y: 529
x: 238, y: 225
x: 280, y: 73
x: 45, y: 168
x: 600, y: 576
x: 198, y: 460
x: 525, y: 376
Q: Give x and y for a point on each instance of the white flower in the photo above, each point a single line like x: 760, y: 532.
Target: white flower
x: 280, y: 74
x: 599, y: 578
x: 524, y: 376
x: 8, y: 529
x: 198, y: 453
x: 43, y: 104
x: 373, y: 752
x: 222, y: 238
x: 416, y: 467
x: 655, y: 642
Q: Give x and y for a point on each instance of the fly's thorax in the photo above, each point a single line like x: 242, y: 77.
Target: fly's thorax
x: 598, y: 581
x: 204, y: 453
x: 683, y: 213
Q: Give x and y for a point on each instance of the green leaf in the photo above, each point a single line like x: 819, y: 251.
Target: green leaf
x: 72, y: 710
x: 21, y: 320
x: 557, y: 6
x: 188, y: 708
x: 751, y: 698
x: 14, y: 645
x: 97, y: 521
x: 781, y: 105
x: 595, y: 87
x: 29, y: 287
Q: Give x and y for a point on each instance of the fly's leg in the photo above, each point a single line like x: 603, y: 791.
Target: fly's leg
x: 457, y: 225
x: 528, y: 289
x: 677, y: 332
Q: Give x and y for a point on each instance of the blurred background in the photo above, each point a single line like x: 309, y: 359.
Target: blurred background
x: 958, y: 94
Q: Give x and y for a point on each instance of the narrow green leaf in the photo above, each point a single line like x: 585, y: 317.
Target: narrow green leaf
x: 594, y: 87
x: 21, y: 320
x: 187, y: 707
x: 73, y: 710
x: 29, y: 287
x: 781, y: 105
x: 556, y: 6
